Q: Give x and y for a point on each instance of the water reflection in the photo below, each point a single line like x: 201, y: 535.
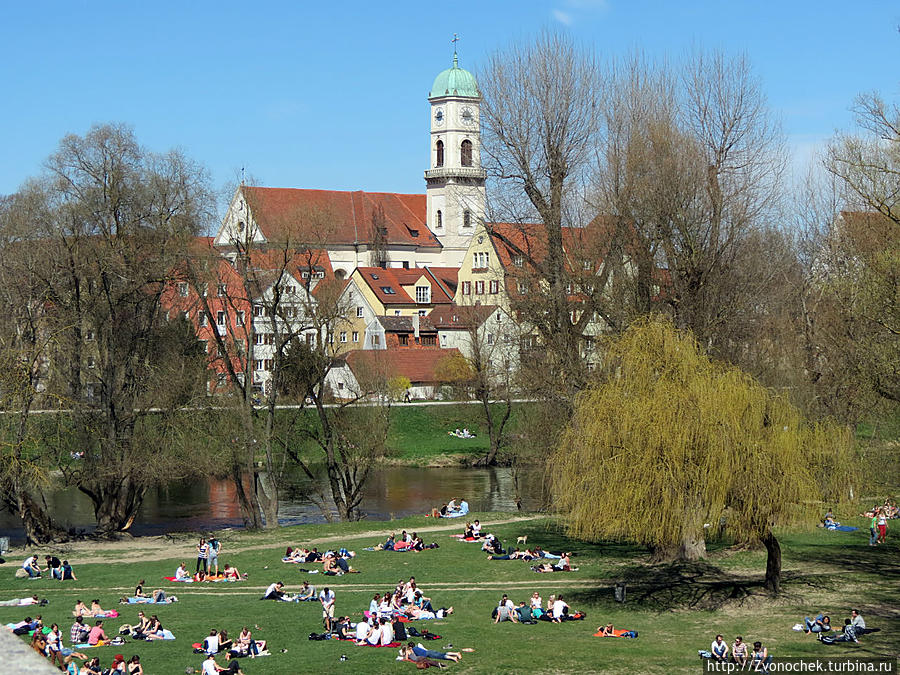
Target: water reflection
x: 391, y: 491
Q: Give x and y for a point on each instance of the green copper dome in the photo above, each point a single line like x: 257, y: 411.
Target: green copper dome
x: 454, y: 82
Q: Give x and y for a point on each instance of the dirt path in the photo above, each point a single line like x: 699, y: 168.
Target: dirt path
x: 142, y: 548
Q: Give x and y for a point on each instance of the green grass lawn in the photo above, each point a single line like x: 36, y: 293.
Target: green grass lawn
x: 676, y: 609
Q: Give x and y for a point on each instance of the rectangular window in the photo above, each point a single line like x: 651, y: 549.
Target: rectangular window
x: 183, y: 289
x: 422, y: 312
x: 202, y: 317
x: 396, y: 312
x: 343, y: 336
x: 430, y: 340
x: 240, y: 318
x: 267, y: 364
x: 376, y: 340
x: 494, y: 286
x: 221, y: 290
x: 259, y: 310
x: 89, y: 335
x: 403, y: 340
x: 523, y: 288
x: 310, y: 339
x: 490, y: 338
x: 356, y: 336
x: 586, y: 265
x: 220, y: 318
x: 258, y: 339
x: 467, y: 288
x: 479, y: 288
x: 423, y: 294
x: 359, y: 312
x: 518, y: 260
x: 257, y: 364
x: 480, y: 260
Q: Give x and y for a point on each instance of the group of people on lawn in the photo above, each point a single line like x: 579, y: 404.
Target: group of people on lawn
x: 58, y: 569
x: 557, y: 610
x: 820, y: 626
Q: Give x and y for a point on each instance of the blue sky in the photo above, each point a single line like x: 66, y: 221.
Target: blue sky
x: 334, y: 96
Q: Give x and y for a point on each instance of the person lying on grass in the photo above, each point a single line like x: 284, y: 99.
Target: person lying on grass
x: 821, y: 624
x: 422, y: 662
x: 419, y: 650
x: 562, y: 565
x: 515, y: 555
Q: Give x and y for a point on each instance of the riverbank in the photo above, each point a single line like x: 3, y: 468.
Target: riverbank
x: 675, y: 609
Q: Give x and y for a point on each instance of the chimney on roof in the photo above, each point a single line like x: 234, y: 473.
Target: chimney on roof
x: 415, y: 322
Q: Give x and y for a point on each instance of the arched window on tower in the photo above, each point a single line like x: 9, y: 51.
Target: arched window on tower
x: 438, y: 220
x: 465, y: 153
x: 440, y: 153
x: 467, y: 218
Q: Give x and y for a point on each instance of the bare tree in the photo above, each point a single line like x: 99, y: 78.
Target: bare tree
x: 541, y: 122
x: 113, y: 220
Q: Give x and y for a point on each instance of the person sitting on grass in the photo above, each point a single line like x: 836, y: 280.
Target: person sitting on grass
x: 81, y: 609
x: 276, y: 592
x: 562, y: 565
x: 68, y: 574
x: 559, y: 611
x: 759, y: 658
x: 92, y: 667
x: 134, y: 666
x: 155, y: 629
x: 719, y: 649
x: 225, y: 643
x: 181, y: 574
x: 307, y: 592
x: 54, y: 566
x: 96, y: 636
x: 231, y: 573
x: 848, y: 634
x: 210, y: 667
x: 503, y: 612
x: 96, y: 609
x: 363, y: 628
x: 387, y: 632
x: 78, y: 633
x: 821, y: 624
x: 211, y: 642
x: 739, y: 651
x: 31, y: 566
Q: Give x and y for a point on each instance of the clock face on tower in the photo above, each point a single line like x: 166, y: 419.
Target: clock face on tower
x: 439, y: 117
x: 467, y: 116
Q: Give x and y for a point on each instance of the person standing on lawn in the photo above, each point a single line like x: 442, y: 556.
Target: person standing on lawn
x: 882, y: 525
x: 202, y: 556
x: 214, y: 547
x: 326, y: 597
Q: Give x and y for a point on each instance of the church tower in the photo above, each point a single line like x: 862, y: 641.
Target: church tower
x: 455, y: 194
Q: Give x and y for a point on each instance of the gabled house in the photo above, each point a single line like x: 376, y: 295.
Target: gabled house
x: 349, y: 375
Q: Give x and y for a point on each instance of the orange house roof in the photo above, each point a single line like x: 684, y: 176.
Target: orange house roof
x: 417, y: 364
x: 320, y: 217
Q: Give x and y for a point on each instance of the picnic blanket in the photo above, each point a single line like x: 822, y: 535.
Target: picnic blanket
x: 147, y: 601
x: 841, y: 528
x: 463, y: 510
x: 109, y: 614
x: 619, y: 632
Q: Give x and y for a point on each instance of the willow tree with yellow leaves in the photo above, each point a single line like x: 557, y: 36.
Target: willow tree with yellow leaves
x: 668, y: 447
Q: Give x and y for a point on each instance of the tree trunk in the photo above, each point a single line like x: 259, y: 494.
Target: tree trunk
x: 39, y: 527
x: 115, y: 504
x: 773, y: 563
x: 692, y: 547
x: 267, y: 492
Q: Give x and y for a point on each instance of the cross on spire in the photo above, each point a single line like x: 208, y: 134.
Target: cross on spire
x: 454, y: 41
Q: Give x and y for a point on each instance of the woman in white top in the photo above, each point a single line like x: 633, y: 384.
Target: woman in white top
x: 362, y: 631
x: 536, y: 601
x: 387, y: 632
x: 375, y: 634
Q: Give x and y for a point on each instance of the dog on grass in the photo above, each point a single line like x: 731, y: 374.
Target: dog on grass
x: 522, y: 540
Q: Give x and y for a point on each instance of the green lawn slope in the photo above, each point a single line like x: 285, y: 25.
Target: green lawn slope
x: 676, y: 609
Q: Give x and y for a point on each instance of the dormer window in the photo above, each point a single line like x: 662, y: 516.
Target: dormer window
x: 518, y: 261
x: 423, y: 295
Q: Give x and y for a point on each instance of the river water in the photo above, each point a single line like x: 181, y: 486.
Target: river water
x: 200, y: 505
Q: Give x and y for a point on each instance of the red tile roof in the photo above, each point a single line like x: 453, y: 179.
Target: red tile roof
x: 319, y: 217
x: 393, y: 279
x: 416, y: 364
x: 460, y: 317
